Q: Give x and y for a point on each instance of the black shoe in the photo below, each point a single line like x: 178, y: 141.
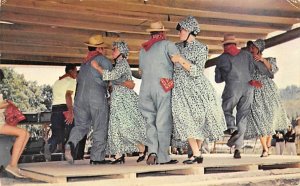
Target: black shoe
x: 92, y: 162
x: 141, y: 158
x: 237, y: 154
x: 152, y: 159
x: 69, y: 152
x: 264, y: 154
x: 119, y: 160
x: 169, y: 162
x: 234, y: 136
x: 228, y: 131
x: 197, y: 159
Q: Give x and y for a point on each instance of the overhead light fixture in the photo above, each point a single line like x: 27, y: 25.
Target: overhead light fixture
x: 6, y: 22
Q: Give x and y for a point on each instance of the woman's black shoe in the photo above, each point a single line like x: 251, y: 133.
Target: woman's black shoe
x: 197, y: 159
x: 141, y: 158
x: 152, y: 159
x: 264, y: 154
x: 119, y: 160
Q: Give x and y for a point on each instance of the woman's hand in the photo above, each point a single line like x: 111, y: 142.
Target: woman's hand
x: 176, y: 58
x: 129, y: 84
x: 258, y: 58
x: 96, y: 66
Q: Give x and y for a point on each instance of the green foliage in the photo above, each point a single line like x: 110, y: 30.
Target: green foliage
x: 27, y: 95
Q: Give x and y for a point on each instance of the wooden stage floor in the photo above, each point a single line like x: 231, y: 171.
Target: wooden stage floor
x: 61, y: 173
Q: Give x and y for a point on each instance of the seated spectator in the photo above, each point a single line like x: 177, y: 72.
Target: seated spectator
x: 21, y: 135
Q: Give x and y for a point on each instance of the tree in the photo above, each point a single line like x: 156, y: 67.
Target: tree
x: 27, y: 95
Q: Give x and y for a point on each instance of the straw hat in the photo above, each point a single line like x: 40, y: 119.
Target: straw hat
x: 156, y: 27
x: 96, y: 41
x: 229, y: 38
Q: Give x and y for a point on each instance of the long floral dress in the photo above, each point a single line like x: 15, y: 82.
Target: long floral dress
x: 196, y: 110
x: 2, y: 117
x: 127, y: 126
x: 267, y: 113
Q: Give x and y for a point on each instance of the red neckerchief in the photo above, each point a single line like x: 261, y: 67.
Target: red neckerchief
x: 155, y: 38
x: 231, y: 49
x: 91, y: 55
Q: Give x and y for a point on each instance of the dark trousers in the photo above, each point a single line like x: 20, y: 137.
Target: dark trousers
x: 61, y: 131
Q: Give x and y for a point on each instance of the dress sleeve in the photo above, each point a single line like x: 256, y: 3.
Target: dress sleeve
x: 197, y: 67
x: 274, y: 67
x: 115, y: 73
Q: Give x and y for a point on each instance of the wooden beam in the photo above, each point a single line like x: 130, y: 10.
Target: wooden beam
x: 165, y: 10
x: 150, y: 16
x: 282, y: 38
x: 122, y: 21
x: 253, y: 7
x: 52, y: 51
x: 105, y: 27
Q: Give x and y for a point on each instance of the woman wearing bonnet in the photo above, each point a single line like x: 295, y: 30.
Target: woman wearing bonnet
x: 196, y: 111
x: 127, y: 126
x: 267, y: 113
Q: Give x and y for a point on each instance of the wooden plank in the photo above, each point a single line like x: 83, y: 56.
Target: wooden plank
x: 122, y: 20
x: 189, y: 171
x: 147, y: 16
x: 287, y: 36
x: 266, y: 7
x: 44, y: 177
x: 165, y: 10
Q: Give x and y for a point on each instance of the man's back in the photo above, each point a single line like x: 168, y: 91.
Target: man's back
x: 60, y: 87
x: 235, y: 68
x: 156, y: 63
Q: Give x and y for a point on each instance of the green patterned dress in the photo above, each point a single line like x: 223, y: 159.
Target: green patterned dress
x: 127, y: 126
x: 267, y: 113
x: 196, y: 110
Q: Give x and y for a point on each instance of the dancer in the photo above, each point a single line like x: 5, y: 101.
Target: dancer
x: 127, y: 126
x: 267, y: 113
x: 197, y: 114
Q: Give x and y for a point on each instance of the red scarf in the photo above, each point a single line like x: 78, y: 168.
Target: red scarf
x: 231, y: 49
x: 155, y: 38
x: 91, y: 55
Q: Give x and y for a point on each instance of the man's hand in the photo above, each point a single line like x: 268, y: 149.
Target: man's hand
x: 70, y: 118
x: 129, y: 84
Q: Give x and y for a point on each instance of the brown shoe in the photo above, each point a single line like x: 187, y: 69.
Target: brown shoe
x: 14, y: 171
x: 152, y: 159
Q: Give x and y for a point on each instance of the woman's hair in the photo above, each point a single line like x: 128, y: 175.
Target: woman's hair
x: 1, y: 75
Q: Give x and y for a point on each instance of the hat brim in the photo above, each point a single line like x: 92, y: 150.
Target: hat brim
x: 229, y: 41
x: 101, y: 45
x: 156, y: 30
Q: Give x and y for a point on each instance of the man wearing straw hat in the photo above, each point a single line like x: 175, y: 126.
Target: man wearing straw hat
x: 90, y: 105
x: 156, y: 69
x: 234, y: 67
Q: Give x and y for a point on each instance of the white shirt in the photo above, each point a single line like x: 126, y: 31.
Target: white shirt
x: 60, y: 87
